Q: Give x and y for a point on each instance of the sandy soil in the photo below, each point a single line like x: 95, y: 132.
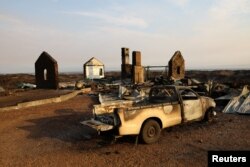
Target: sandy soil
x: 51, y: 135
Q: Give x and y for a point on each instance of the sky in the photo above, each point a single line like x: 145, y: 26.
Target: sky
x: 211, y: 34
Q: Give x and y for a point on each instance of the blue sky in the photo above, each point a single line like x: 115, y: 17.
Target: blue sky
x: 209, y: 33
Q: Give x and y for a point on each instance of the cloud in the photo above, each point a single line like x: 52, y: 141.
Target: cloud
x: 222, y: 35
x: 226, y: 18
x: 115, y: 20
x: 9, y: 19
x: 224, y: 9
x: 180, y: 3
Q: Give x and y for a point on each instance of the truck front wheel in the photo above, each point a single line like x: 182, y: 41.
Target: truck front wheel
x: 210, y: 115
x: 150, y: 131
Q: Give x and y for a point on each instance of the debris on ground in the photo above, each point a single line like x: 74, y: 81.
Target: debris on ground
x: 23, y: 85
x: 219, y: 90
x: 107, y: 97
x: 239, y: 104
x: 2, y: 89
x: 79, y: 85
x: 223, y: 100
x: 134, y: 93
x: 67, y: 85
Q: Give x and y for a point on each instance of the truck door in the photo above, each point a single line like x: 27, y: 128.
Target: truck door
x: 192, y: 107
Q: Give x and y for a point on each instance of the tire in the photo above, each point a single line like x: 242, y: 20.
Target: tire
x: 150, y: 132
x: 209, y: 116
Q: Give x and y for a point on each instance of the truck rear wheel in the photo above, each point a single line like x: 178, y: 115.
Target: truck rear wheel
x: 150, y: 131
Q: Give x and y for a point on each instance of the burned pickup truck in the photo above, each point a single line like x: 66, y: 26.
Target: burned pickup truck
x: 164, y: 107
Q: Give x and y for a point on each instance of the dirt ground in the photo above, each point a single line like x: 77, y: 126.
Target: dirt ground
x: 30, y: 95
x: 51, y: 135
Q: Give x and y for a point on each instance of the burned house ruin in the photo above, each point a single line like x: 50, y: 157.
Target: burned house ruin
x: 176, y: 66
x: 135, y: 72
x: 46, y: 72
x: 93, y: 69
x: 137, y: 69
x: 126, y: 68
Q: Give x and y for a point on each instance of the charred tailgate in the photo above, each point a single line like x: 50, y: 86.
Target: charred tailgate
x: 99, y: 126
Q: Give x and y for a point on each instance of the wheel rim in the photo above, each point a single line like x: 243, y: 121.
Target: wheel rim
x: 151, y: 131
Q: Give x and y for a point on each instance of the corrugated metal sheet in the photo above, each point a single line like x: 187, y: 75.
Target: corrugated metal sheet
x: 239, y: 104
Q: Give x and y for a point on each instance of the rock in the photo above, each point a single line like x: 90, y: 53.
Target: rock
x: 79, y: 85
